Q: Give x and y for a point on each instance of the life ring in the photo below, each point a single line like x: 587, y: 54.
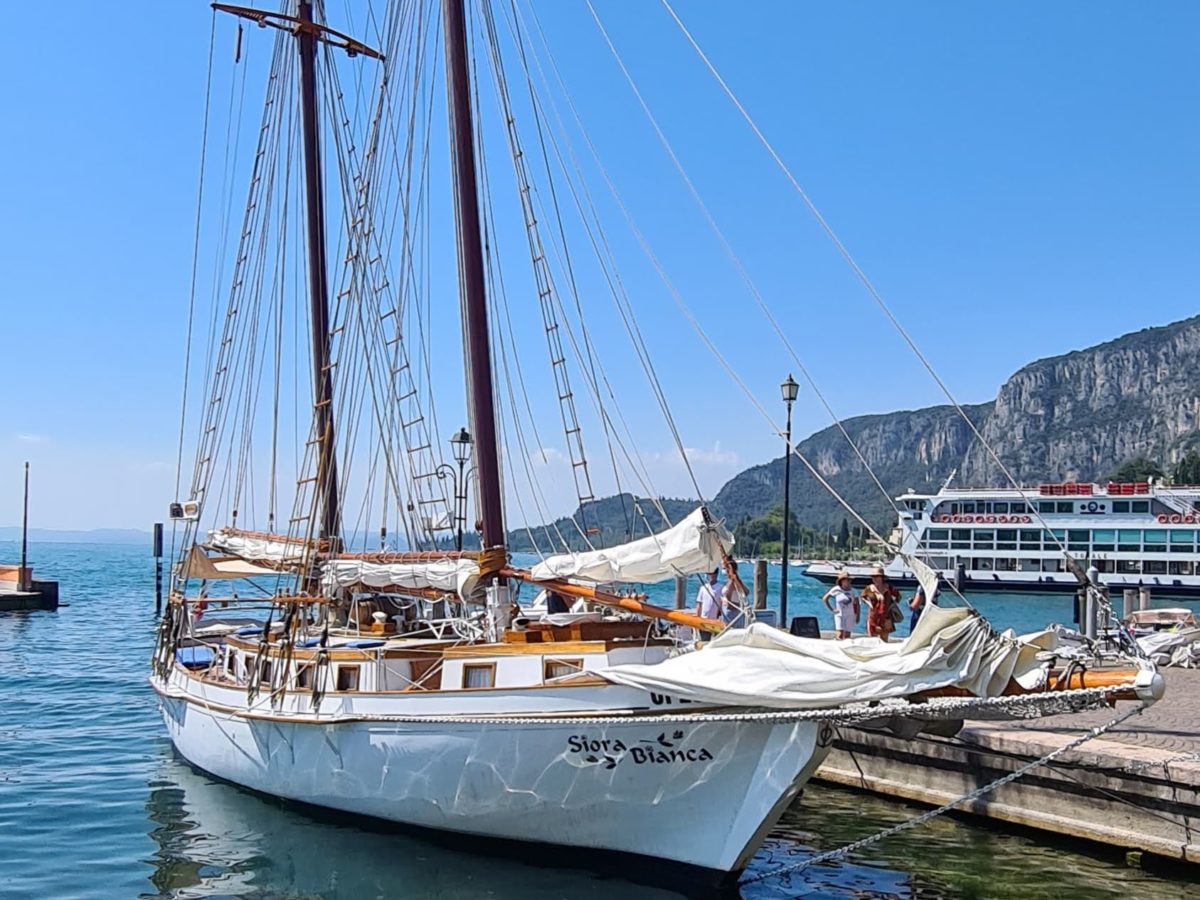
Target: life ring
x: 1025, y: 520
x: 1176, y: 519
x: 1190, y: 520
x: 968, y: 519
x: 1162, y: 520
x: 991, y: 520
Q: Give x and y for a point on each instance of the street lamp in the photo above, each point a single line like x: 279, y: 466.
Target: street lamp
x: 460, y: 446
x: 789, y: 389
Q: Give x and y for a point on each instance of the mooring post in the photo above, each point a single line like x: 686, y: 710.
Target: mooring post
x: 1143, y: 598
x: 760, y: 584
x: 1090, y: 608
x: 158, y: 552
x: 680, y: 592
x: 1128, y: 602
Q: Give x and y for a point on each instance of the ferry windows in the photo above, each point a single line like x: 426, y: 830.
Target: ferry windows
x: 1053, y: 565
x: 1155, y: 540
x: 982, y: 564
x: 1183, y: 541
x: 999, y: 507
x: 960, y: 539
x: 1120, y: 506
x: 1129, y: 540
x: 1006, y: 564
x: 1006, y: 539
x: 1031, y: 540
x: 1077, y: 540
x: 1103, y: 540
x: 1064, y: 506
x: 347, y: 678
x: 1141, y: 506
x: 1154, y: 567
x: 479, y: 675
x: 1019, y: 509
x: 969, y: 507
x: 1180, y: 567
x: 1046, y: 506
x: 938, y: 534
x: 1029, y: 565
x: 1129, y: 567
x: 985, y: 540
x: 558, y: 668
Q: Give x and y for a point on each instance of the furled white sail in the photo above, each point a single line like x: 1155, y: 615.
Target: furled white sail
x: 249, y: 545
x: 450, y: 575
x: 763, y: 666
x: 694, y: 545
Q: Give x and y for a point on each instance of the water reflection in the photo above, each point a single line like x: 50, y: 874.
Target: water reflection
x: 214, y: 839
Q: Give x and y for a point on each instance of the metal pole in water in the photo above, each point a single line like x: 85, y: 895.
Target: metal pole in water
x: 158, y: 552
x: 23, y: 575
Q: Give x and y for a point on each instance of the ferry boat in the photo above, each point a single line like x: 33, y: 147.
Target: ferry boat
x: 1141, y: 534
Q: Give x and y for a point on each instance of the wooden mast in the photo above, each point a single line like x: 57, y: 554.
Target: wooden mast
x: 471, y: 286
x: 328, y: 506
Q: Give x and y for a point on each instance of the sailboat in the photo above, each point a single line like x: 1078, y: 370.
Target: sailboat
x: 406, y: 684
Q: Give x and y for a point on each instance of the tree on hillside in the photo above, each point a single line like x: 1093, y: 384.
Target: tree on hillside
x: 1187, y: 470
x: 844, y: 535
x: 1140, y: 468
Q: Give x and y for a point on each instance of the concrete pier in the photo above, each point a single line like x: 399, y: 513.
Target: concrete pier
x: 41, y: 595
x: 1137, y: 787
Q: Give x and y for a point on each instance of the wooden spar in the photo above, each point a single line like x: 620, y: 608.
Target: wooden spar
x: 1088, y: 678
x: 328, y: 508
x: 471, y: 284
x: 629, y: 604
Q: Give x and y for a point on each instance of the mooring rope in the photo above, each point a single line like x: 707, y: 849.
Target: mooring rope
x: 847, y: 849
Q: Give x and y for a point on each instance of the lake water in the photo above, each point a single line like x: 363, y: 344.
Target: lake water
x: 93, y: 802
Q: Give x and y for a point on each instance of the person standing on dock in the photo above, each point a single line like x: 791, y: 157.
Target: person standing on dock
x: 842, y: 602
x: 733, y: 597
x: 917, y: 606
x: 884, y: 603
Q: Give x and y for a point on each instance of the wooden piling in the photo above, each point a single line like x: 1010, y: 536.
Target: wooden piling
x: 760, y: 583
x: 680, y: 592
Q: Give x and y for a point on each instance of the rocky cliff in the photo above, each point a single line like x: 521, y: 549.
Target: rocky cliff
x: 1076, y: 416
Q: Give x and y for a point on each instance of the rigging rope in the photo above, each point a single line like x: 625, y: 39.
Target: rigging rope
x: 844, y: 851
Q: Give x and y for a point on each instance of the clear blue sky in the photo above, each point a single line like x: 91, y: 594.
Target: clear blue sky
x: 1019, y: 179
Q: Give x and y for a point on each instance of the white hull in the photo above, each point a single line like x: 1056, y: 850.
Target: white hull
x: 702, y: 795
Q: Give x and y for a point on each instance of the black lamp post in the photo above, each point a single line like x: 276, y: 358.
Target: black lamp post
x: 789, y: 389
x: 460, y: 445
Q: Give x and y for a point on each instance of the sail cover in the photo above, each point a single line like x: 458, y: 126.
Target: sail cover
x: 694, y: 545
x: 274, y: 548
x: 450, y: 575
x: 763, y: 666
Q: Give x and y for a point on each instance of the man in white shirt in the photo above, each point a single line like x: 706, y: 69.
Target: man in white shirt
x: 708, y: 600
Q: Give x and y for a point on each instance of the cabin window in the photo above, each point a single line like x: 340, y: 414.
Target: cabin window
x: 1129, y: 567
x: 1006, y: 564
x: 999, y: 507
x: 1064, y: 507
x: 1103, y: 540
x: 557, y: 668
x: 970, y: 507
x: 1120, y: 506
x: 1031, y: 540
x: 1129, y: 540
x: 479, y: 675
x: 1180, y: 567
x: 939, y: 562
x: 1053, y: 565
x: 1021, y: 509
x: 981, y: 564
x: 265, y: 678
x: 1029, y: 565
x: 304, y: 676
x: 1046, y: 507
x: 1141, y: 506
x: 347, y: 678
x: 960, y: 539
x: 1155, y: 567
